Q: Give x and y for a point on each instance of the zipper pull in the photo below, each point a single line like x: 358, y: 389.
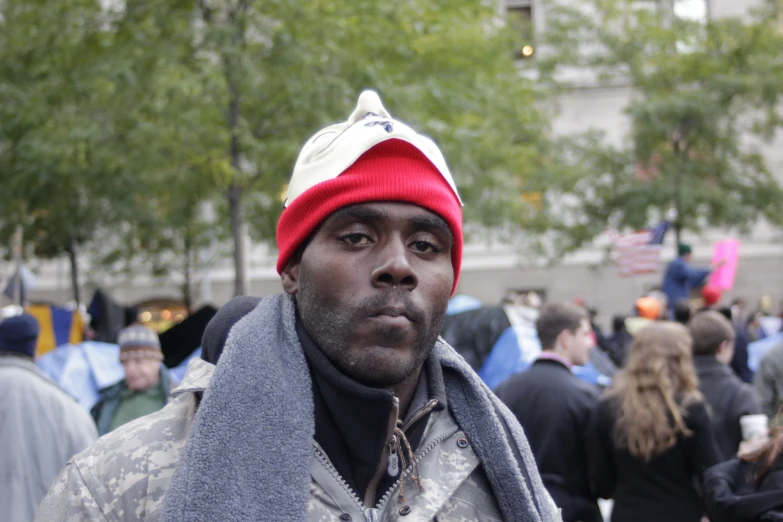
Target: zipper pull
x: 393, y: 467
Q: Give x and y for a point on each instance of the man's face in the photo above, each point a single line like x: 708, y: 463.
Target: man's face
x: 140, y: 374
x: 579, y: 343
x: 372, y: 288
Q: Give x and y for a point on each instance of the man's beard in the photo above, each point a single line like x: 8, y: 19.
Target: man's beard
x: 332, y: 327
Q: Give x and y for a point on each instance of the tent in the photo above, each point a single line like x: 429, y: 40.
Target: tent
x: 58, y: 326
x: 179, y: 341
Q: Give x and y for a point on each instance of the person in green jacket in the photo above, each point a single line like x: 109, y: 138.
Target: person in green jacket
x: 146, y: 385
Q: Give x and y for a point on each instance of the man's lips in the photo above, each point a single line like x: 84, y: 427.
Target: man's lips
x: 392, y: 312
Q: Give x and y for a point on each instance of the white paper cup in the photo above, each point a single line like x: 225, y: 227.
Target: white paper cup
x: 754, y: 426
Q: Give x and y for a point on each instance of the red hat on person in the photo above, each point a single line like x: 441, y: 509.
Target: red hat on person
x: 711, y: 295
x: 371, y: 157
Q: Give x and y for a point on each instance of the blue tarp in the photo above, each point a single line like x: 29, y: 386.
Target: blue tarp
x: 83, y: 369
x: 462, y: 303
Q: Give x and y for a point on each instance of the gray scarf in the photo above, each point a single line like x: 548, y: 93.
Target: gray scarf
x: 249, y: 449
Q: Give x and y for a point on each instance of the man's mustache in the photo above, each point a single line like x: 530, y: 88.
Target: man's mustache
x: 392, y: 301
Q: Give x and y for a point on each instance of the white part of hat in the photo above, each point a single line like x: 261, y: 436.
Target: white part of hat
x: 332, y: 150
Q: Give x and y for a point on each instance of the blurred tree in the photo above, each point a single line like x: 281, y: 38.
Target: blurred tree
x: 706, y: 95
x: 278, y: 71
x: 130, y: 118
x: 59, y: 176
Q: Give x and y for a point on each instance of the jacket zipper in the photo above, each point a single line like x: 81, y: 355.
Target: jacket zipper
x: 419, y: 457
x: 371, y: 512
x: 383, y: 465
x: 388, y: 463
x: 320, y: 454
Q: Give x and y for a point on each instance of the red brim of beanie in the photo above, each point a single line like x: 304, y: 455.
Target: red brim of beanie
x: 393, y: 170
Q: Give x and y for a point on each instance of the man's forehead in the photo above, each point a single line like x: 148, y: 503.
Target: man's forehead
x: 378, y: 211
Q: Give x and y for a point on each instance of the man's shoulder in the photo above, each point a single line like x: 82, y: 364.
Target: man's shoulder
x: 774, y: 357
x: 590, y: 392
x: 149, y: 446
x: 36, y: 387
x: 564, y: 385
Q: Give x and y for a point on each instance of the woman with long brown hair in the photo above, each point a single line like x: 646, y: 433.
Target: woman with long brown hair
x: 650, y: 439
x: 748, y: 488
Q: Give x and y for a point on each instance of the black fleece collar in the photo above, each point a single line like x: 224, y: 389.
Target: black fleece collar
x: 351, y: 419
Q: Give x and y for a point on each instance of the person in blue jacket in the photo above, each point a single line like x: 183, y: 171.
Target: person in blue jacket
x: 681, y: 277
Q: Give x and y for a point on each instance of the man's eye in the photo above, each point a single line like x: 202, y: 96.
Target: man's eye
x: 425, y: 247
x: 356, y: 239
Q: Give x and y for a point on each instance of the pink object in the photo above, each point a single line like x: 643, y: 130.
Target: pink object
x: 723, y: 277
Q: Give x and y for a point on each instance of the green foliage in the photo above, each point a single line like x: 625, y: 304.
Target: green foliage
x: 118, y: 126
x: 705, y: 97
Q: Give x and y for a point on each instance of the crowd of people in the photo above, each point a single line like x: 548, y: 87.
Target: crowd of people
x: 678, y: 433
x: 337, y: 400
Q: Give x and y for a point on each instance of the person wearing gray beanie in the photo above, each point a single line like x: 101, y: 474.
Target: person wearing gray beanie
x: 146, y: 386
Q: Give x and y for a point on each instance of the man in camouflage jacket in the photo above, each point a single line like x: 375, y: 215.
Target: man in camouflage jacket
x: 337, y: 401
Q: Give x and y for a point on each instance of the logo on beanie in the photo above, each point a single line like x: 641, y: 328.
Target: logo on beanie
x: 387, y: 125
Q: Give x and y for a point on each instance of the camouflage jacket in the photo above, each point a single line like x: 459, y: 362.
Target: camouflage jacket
x: 125, y: 475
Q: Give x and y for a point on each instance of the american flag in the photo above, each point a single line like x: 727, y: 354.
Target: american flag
x: 639, y: 252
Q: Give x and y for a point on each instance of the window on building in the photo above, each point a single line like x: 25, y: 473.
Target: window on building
x: 693, y: 10
x: 520, y: 17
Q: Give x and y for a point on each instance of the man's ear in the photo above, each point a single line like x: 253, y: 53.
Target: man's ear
x: 290, y: 276
x: 561, y: 339
x: 725, y: 348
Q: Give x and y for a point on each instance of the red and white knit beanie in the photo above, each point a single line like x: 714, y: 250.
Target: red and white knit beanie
x: 370, y: 157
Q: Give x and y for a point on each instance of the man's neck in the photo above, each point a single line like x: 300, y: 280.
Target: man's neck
x: 405, y: 390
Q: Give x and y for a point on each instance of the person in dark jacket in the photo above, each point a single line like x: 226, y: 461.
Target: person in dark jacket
x: 739, y: 363
x: 650, y: 438
x: 748, y: 488
x: 146, y: 386
x: 729, y: 398
x: 619, y: 341
x: 553, y: 406
x: 682, y: 311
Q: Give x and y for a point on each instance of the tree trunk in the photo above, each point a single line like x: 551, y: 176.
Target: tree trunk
x: 18, y: 247
x: 234, y: 190
x: 73, y: 258
x: 237, y: 229
x: 187, y: 285
x: 679, y: 154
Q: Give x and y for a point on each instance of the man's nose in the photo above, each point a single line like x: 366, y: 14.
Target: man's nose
x: 393, y: 266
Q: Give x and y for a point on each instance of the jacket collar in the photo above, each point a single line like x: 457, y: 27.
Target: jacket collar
x: 554, y: 357
x: 709, y: 364
x: 196, y: 378
x: 25, y: 363
x: 19, y: 361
